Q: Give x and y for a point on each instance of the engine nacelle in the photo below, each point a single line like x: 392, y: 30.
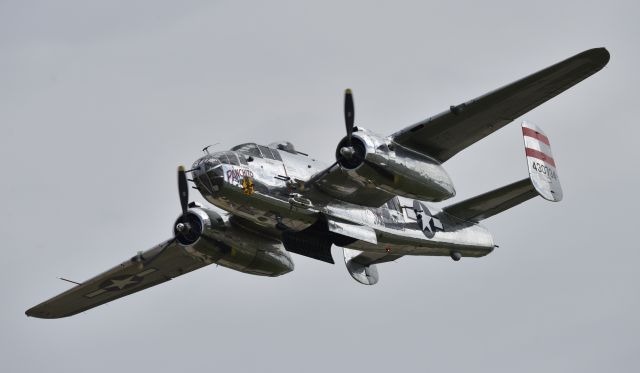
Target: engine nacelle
x: 206, y: 235
x: 393, y: 168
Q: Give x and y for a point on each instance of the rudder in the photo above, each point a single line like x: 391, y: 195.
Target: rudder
x: 542, y: 166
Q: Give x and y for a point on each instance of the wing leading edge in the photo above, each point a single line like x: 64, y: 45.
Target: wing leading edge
x: 444, y: 135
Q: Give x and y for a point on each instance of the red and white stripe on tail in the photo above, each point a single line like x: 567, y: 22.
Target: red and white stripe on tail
x: 542, y: 166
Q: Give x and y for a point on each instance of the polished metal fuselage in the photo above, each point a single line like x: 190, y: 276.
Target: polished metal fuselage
x: 280, y: 197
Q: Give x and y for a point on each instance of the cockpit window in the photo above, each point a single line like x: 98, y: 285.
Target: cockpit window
x: 266, y: 152
x: 276, y: 155
x: 269, y: 153
x: 249, y: 149
x: 227, y: 158
x: 207, y: 162
x: 253, y: 150
x: 222, y: 158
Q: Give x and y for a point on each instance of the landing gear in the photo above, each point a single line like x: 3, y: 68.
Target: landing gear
x: 456, y: 256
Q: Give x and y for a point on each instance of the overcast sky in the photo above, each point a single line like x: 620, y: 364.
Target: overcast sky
x: 100, y: 101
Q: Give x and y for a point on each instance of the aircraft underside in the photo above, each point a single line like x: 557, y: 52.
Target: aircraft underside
x: 376, y: 201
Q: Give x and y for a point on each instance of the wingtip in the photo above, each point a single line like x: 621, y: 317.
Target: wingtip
x: 604, y: 54
x: 600, y: 56
x: 32, y: 312
x: 40, y: 313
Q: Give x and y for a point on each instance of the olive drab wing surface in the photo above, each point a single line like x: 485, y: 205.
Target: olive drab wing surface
x: 444, y: 135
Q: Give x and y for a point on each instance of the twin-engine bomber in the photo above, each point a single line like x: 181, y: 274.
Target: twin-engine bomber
x: 374, y: 201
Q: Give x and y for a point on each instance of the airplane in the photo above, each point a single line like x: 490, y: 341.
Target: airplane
x: 375, y: 201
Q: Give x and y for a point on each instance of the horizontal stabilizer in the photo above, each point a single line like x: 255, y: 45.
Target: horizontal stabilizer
x: 493, y: 202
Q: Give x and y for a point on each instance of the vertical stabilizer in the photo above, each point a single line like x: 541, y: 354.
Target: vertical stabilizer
x: 542, y: 166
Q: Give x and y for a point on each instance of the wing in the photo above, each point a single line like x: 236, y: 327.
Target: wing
x: 341, y: 184
x: 157, y: 265
x: 447, y: 133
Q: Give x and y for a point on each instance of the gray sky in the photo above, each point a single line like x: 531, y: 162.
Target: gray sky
x: 100, y: 101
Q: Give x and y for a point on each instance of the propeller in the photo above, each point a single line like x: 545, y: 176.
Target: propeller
x: 349, y: 116
x: 349, y: 113
x: 183, y: 189
x: 346, y: 153
x: 182, y: 229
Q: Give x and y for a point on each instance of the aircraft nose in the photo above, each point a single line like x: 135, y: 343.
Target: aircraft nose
x: 208, y: 174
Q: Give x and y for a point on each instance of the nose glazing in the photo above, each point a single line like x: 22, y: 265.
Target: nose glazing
x: 208, y: 174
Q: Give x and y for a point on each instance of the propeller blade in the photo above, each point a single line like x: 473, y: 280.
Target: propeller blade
x: 348, y: 113
x: 183, y: 189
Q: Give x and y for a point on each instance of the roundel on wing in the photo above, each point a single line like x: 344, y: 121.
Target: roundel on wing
x: 118, y: 283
